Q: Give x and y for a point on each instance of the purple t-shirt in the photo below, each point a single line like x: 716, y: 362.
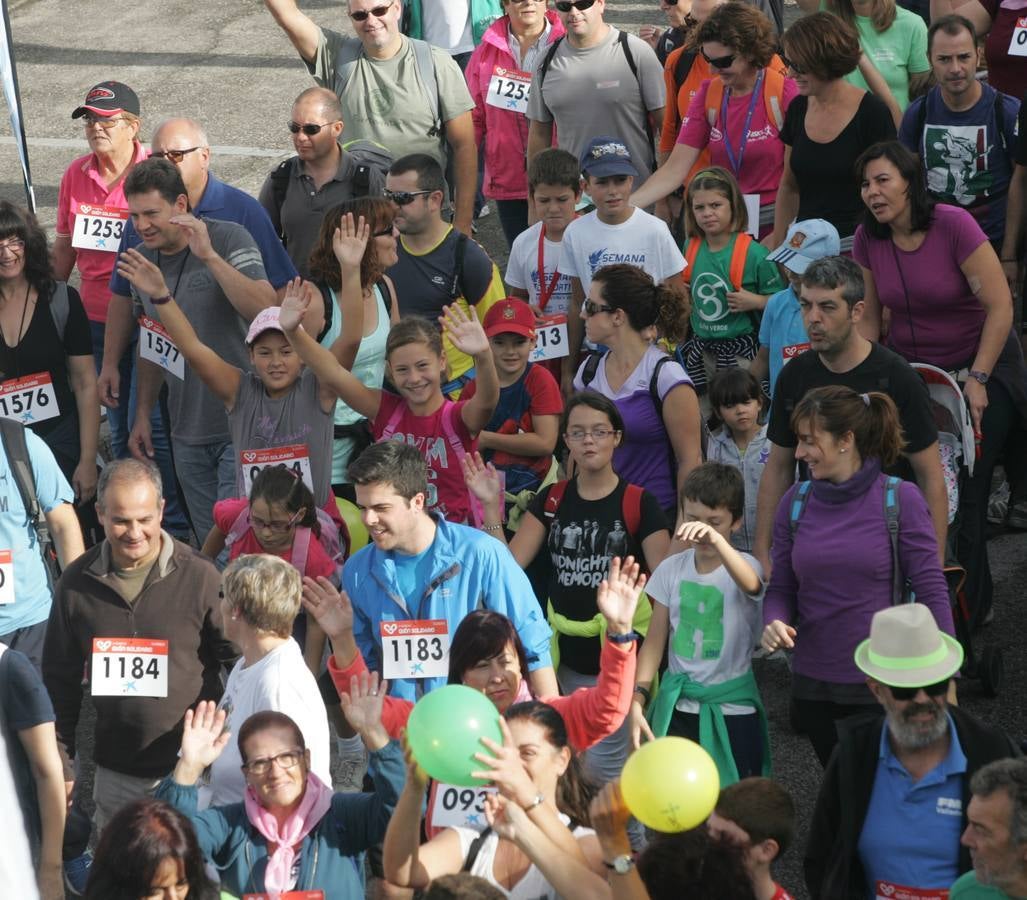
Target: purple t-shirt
x: 645, y: 456
x: 935, y: 318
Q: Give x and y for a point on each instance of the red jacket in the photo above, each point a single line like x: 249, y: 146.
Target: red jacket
x: 502, y: 132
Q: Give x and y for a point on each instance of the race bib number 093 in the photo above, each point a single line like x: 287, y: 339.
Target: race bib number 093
x: 459, y: 807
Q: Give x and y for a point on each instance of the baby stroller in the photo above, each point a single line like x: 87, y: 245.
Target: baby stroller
x: 958, y: 454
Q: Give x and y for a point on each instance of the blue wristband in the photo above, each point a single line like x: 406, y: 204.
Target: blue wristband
x: 623, y: 638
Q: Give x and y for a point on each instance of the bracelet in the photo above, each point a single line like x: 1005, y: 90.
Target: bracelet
x: 538, y: 801
x: 645, y: 692
x: 160, y: 301
x: 498, y: 527
x: 627, y: 638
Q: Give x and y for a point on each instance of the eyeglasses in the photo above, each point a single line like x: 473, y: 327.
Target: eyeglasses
x: 791, y: 65
x: 176, y: 156
x: 309, y: 128
x: 720, y: 62
x: 403, y: 198
x: 590, y: 309
x: 565, y: 6
x: 104, y: 122
x: 932, y: 690
x: 597, y: 434
x: 286, y: 760
x: 274, y: 527
x: 385, y: 232
x: 14, y: 245
x: 377, y: 11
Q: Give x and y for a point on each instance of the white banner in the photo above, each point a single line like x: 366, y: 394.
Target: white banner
x: 9, y: 75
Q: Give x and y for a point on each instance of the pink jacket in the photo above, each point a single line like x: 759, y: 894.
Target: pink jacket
x: 504, y: 133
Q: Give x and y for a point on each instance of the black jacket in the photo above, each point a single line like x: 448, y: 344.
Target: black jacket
x: 832, y: 865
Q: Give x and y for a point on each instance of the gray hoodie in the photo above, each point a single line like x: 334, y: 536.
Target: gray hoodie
x: 723, y: 449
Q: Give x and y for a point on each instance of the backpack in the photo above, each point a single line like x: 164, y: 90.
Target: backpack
x: 328, y: 296
x: 592, y: 366
x: 369, y: 157
x: 631, y: 504
x: 738, y: 256
x: 773, y: 94
x: 622, y: 39
x: 901, y: 590
x: 60, y: 307
x: 15, y: 446
x: 334, y: 541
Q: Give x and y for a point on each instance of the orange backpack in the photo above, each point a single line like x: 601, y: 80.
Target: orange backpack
x: 738, y: 255
x: 773, y: 94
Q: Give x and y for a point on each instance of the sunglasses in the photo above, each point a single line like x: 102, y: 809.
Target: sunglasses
x: 385, y: 232
x: 403, y: 198
x: 720, y: 62
x: 104, y: 123
x: 378, y: 12
x: 932, y: 690
x: 308, y: 128
x: 791, y: 65
x: 590, y: 308
x: 565, y: 6
x: 176, y: 156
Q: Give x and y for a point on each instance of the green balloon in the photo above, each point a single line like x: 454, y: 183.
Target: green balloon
x: 445, y: 729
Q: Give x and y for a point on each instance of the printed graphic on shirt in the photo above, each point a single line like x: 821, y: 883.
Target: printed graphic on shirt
x: 709, y: 297
x: 607, y: 257
x: 436, y: 454
x: 700, y: 632
x: 956, y: 157
x: 582, y: 550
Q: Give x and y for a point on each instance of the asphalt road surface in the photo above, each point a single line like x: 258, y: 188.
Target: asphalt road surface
x: 225, y: 63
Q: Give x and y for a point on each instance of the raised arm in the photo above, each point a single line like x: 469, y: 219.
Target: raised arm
x: 298, y: 27
x: 743, y: 575
x: 221, y: 377
x: 467, y: 335
x: 349, y: 243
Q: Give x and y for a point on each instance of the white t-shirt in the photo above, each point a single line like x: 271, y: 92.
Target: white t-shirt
x: 522, y: 270
x: 280, y: 681
x: 447, y: 24
x: 533, y: 886
x: 713, y: 625
x: 642, y: 241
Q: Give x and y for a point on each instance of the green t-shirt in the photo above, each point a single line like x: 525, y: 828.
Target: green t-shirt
x: 968, y: 888
x: 710, y: 282
x: 898, y: 52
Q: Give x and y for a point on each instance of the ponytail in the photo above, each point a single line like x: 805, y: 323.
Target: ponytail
x: 645, y: 303
x: 872, y: 418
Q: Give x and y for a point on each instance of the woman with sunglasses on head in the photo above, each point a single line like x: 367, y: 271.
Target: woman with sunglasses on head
x: 516, y: 42
x: 828, y: 126
x: 289, y: 832
x: 835, y: 563
x: 737, y: 115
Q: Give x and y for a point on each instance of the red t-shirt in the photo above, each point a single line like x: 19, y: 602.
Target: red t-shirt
x: 1006, y: 73
x: 227, y: 511
x: 442, y: 448
x: 781, y: 894
x: 534, y: 394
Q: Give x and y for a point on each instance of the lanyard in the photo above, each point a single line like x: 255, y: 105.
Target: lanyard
x: 181, y: 270
x: 736, y: 165
x: 545, y: 291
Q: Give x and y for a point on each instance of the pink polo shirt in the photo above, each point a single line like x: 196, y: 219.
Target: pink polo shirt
x: 83, y: 183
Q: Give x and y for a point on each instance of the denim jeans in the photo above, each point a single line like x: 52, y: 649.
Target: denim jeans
x: 120, y: 421
x: 206, y: 473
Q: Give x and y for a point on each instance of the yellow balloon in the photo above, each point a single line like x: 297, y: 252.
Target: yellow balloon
x: 351, y: 516
x: 670, y: 784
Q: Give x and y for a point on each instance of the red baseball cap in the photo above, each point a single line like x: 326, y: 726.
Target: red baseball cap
x: 108, y: 98
x: 510, y: 316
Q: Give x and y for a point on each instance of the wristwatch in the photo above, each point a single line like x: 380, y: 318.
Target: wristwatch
x: 622, y: 864
x: 979, y: 376
x: 623, y: 638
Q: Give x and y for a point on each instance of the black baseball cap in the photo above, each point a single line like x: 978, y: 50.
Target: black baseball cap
x: 108, y: 98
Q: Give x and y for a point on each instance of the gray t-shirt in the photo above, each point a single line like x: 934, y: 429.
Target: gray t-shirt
x: 197, y: 416
x: 258, y: 422
x: 383, y: 100
x: 591, y: 92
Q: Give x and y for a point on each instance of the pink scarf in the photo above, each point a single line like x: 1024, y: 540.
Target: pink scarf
x: 317, y: 799
x: 523, y: 693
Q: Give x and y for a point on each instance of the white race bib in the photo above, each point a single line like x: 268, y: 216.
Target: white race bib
x: 6, y: 578
x: 129, y: 667
x: 294, y: 456
x: 156, y: 346
x: 509, y: 89
x: 550, y: 338
x: 1018, y: 42
x: 417, y: 648
x: 458, y: 807
x: 752, y: 208
x: 98, y: 227
x: 28, y: 399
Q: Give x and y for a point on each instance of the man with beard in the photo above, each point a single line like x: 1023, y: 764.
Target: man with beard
x: 894, y: 798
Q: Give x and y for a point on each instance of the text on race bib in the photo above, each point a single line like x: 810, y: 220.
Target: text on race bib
x: 156, y: 346
x: 129, y: 667
x: 98, y: 227
x: 793, y: 350
x: 28, y: 399
x: 1018, y: 42
x: 885, y: 890
x: 550, y: 338
x: 418, y: 648
x: 293, y: 456
x: 6, y: 578
x: 288, y: 895
x: 509, y: 89
x: 458, y: 807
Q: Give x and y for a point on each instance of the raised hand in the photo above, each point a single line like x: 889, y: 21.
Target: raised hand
x: 196, y: 231
x: 618, y: 594
x: 349, y: 241
x: 482, y: 480
x: 694, y: 534
x: 505, y: 769
x: 203, y: 738
x: 142, y: 274
x: 464, y: 330
x: 294, y: 305
x: 331, y: 608
x: 505, y: 817
x: 417, y: 778
x: 362, y: 707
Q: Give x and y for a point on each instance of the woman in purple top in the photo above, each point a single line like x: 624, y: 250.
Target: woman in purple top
x: 832, y: 568
x: 949, y: 305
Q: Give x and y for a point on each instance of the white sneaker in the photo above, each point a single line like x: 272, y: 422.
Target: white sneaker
x: 349, y: 766
x: 484, y: 211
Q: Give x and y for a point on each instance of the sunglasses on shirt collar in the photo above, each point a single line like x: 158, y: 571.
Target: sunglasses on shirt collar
x: 719, y: 62
x: 932, y: 690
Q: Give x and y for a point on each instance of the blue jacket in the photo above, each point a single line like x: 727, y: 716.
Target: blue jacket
x: 331, y: 856
x: 470, y: 570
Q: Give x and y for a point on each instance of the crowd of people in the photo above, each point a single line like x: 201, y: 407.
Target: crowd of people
x: 744, y: 389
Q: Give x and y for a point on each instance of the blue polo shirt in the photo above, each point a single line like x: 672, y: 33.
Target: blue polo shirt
x: 229, y: 204
x: 782, y: 331
x: 911, y: 833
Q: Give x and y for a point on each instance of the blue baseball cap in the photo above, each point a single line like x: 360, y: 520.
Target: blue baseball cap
x: 605, y: 156
x: 806, y: 242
